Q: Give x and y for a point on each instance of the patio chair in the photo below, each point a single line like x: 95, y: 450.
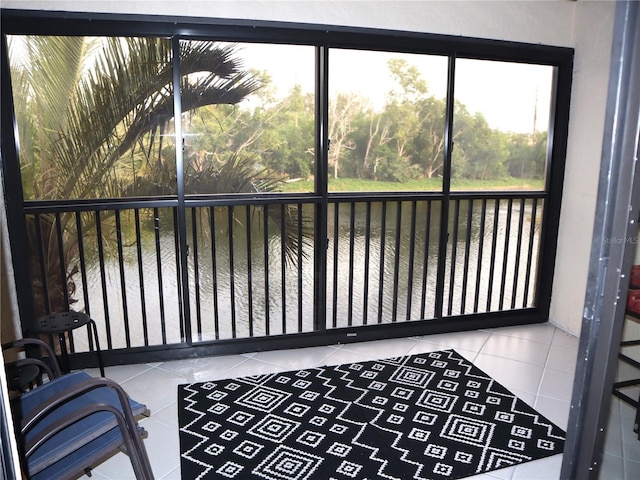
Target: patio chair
x: 22, y: 373
x: 72, y: 422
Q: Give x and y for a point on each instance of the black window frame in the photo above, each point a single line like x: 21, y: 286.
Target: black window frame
x: 323, y: 37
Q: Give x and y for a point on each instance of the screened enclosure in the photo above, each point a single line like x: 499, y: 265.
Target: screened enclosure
x: 209, y: 187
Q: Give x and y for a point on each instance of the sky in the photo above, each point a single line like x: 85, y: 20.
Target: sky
x: 507, y: 94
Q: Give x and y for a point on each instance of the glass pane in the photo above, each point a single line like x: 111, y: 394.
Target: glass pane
x: 93, y: 114
x: 386, y: 121
x: 253, y: 131
x: 501, y: 121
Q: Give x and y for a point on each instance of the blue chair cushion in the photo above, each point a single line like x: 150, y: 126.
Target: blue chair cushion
x: 80, y: 459
x: 85, y: 437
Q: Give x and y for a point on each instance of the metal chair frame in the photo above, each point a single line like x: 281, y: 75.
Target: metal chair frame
x: 49, y: 413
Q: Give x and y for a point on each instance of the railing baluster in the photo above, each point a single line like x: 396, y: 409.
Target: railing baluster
x: 176, y: 237
x: 483, y: 218
x: 336, y: 235
x: 103, y: 279
x: 46, y: 303
x: 123, y: 283
x: 156, y: 223
x: 467, y: 252
x: 532, y: 234
x: 249, y: 269
x: 494, y: 245
x: 352, y: 221
x: 505, y: 255
x: 283, y: 266
x: 63, y: 275
x: 383, y: 229
x: 516, y: 268
x: 454, y: 253
x: 83, y: 272
x: 425, y: 262
x: 196, y: 269
x: 267, y: 309
x: 300, y: 257
x: 396, y: 262
x: 367, y: 239
x: 143, y: 301
x: 412, y: 248
x: 214, y: 272
x: 232, y: 286
x: 63, y: 270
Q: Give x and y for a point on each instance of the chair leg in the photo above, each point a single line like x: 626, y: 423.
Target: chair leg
x: 64, y: 355
x: 636, y: 425
x: 93, y: 326
x: 138, y: 458
x: 136, y: 451
x: 143, y: 464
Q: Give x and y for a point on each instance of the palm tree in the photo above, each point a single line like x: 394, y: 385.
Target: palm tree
x: 89, y: 108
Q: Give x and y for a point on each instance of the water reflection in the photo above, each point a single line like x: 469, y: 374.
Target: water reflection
x: 382, y: 266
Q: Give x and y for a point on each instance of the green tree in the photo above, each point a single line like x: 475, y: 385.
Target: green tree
x: 527, y: 155
x: 371, y: 137
x: 287, y: 145
x: 343, y: 110
x: 418, y: 120
x: 479, y: 152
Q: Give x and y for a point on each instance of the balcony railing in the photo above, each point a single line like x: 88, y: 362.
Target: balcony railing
x: 257, y: 270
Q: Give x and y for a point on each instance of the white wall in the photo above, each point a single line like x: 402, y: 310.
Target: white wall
x: 533, y: 21
x: 592, y: 41
x: 585, y: 25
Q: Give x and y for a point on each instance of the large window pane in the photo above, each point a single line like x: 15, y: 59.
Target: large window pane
x: 501, y: 121
x: 92, y: 114
x: 386, y: 120
x: 255, y: 130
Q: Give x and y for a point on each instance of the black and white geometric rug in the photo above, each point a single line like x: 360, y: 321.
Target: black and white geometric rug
x: 428, y: 416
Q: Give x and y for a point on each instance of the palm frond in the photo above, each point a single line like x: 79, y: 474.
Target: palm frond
x: 129, y: 94
x: 297, y: 231
x: 237, y: 175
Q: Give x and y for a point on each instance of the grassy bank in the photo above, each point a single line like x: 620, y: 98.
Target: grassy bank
x: 429, y: 184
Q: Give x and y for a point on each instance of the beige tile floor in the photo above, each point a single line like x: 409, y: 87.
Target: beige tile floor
x: 535, y: 362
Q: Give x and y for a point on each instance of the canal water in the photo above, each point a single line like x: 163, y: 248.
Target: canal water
x: 382, y: 266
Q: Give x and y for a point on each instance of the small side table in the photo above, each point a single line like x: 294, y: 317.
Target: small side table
x: 63, y: 322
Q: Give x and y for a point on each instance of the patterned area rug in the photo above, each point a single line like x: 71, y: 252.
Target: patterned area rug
x: 428, y: 416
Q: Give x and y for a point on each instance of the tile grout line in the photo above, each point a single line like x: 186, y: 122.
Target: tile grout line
x: 546, y: 365
x: 486, y: 340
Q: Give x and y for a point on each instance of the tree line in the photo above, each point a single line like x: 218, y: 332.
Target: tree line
x: 403, y: 140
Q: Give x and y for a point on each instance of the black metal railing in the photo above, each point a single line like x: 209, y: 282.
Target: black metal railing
x: 253, y: 265
x: 493, y: 254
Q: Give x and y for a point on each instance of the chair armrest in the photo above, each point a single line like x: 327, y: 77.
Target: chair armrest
x: 42, y: 366
x: 74, y: 391
x: 72, y: 418
x: 26, y: 342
